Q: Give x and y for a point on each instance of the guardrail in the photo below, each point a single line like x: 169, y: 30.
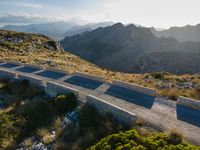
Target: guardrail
x: 135, y: 87
x: 7, y: 74
x: 52, y: 89
x: 119, y: 114
x: 188, y: 110
x: 93, y: 77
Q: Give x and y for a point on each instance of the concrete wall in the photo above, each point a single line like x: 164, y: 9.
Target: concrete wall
x: 13, y: 62
x: 119, y: 114
x: 57, y: 70
x: 135, y: 87
x: 7, y: 74
x: 188, y: 102
x: 53, y: 89
x: 89, y: 76
x: 34, y: 81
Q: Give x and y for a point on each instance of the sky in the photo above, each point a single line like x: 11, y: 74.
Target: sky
x: 148, y: 13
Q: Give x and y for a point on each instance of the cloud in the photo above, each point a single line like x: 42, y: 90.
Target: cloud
x: 23, y: 18
x: 21, y: 4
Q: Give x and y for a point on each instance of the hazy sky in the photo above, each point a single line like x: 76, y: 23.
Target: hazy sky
x: 157, y: 13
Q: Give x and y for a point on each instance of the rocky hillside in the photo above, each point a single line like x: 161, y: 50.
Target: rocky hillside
x: 182, y: 34
x: 135, y: 50
x: 23, y: 42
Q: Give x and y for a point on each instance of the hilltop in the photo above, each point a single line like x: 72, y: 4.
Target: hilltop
x: 37, y: 49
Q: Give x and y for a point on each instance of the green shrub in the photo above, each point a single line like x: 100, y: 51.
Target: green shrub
x: 175, y: 137
x: 94, y: 126
x: 132, y: 140
x: 64, y: 103
x: 37, y: 114
x: 10, y: 128
x: 198, y: 90
x: 159, y: 75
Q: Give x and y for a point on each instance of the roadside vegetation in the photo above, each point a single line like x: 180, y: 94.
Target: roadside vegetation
x: 27, y: 110
x: 28, y: 117
x: 132, y: 140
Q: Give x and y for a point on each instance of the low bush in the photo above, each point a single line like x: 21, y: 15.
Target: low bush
x: 175, y: 137
x: 94, y: 126
x: 65, y: 103
x: 159, y: 75
x: 10, y: 127
x: 131, y: 140
x: 198, y: 91
x: 22, y: 121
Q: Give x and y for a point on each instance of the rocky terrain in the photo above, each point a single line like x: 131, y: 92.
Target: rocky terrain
x: 135, y: 50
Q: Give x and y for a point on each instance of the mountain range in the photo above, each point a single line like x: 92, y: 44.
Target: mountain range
x: 182, y: 34
x: 56, y: 30
x: 134, y: 49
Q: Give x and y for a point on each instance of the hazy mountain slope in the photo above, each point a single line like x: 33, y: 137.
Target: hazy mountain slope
x: 49, y: 29
x: 182, y: 34
x: 56, y: 30
x: 83, y: 28
x: 127, y: 48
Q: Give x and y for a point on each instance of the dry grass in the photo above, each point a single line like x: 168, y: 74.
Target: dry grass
x: 47, y: 139
x: 28, y: 142
x: 57, y: 126
x: 71, y: 63
x: 44, y: 135
x: 42, y: 132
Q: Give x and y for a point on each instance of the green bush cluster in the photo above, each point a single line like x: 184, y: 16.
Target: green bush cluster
x: 65, y: 102
x: 94, y: 126
x: 131, y: 140
x: 159, y: 75
x: 198, y: 90
x: 10, y: 128
x: 23, y: 120
x: 20, y: 88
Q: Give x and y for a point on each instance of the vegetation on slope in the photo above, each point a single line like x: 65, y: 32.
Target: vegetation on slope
x: 28, y: 113
x: 131, y: 140
x: 166, y: 84
x: 27, y: 110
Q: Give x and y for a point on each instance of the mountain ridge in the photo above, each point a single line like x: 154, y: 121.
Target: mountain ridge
x: 125, y: 49
x: 56, y: 30
x: 182, y: 34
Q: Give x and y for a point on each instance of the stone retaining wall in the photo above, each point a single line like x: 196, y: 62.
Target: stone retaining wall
x: 53, y: 89
x: 188, y: 102
x: 93, y: 77
x: 7, y: 74
x: 34, y: 81
x: 135, y: 87
x: 119, y: 114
